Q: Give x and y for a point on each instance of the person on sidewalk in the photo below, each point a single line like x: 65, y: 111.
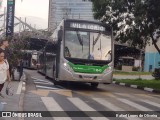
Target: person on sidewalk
x: 4, y: 71
x: 3, y: 45
x: 20, y: 68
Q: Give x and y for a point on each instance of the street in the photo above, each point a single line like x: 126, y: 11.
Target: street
x: 42, y: 95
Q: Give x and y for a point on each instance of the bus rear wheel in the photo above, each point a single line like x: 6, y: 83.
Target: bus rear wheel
x: 94, y: 85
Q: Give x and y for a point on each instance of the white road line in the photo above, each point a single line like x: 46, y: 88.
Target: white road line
x: 107, y: 104
x: 151, y: 103
x: 111, y: 106
x: 19, y: 88
x: 84, y: 107
x: 52, y: 105
x: 37, y: 79
x: 44, y: 83
x: 24, y: 83
x: 135, y: 105
x: 23, y: 88
x: 45, y: 87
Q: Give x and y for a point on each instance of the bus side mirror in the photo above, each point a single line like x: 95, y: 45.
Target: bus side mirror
x: 60, y: 35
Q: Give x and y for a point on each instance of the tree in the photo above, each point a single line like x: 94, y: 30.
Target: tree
x: 17, y: 43
x: 133, y: 21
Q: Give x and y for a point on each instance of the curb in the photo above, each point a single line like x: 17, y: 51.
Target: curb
x: 21, y: 99
x: 137, y: 87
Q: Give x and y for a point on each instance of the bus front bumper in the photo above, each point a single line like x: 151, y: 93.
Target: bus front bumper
x: 67, y: 75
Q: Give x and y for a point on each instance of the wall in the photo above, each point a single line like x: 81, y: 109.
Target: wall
x: 152, y: 57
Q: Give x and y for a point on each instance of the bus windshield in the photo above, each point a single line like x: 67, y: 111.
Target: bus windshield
x: 87, y: 45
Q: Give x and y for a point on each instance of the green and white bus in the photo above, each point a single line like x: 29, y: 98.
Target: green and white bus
x: 80, y: 51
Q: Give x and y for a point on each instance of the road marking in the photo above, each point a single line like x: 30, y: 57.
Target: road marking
x: 151, y: 103
x: 147, y: 96
x: 111, y: 106
x: 23, y: 88
x: 52, y: 105
x: 1, y: 106
x: 19, y: 88
x: 108, y: 104
x: 45, y: 87
x: 84, y: 107
x: 37, y: 79
x: 135, y: 105
x: 24, y: 83
x: 44, y: 83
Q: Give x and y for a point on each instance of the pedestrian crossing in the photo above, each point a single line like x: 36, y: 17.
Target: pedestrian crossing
x: 90, y: 108
x: 45, y: 84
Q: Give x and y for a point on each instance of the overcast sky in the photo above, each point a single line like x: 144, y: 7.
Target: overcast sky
x: 36, y: 11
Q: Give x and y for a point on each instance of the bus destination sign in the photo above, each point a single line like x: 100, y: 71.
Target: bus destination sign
x: 87, y: 26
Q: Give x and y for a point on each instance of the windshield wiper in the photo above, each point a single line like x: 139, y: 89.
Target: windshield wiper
x: 95, y: 41
x: 79, y: 39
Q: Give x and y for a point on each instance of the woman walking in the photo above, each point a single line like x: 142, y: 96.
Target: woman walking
x: 4, y: 71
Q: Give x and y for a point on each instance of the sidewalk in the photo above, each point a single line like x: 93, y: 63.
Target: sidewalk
x: 132, y: 77
x: 13, y: 103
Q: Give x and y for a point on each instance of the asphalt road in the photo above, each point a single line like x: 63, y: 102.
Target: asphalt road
x: 86, y: 103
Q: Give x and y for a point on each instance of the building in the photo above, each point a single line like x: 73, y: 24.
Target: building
x: 152, y: 57
x: 73, y: 9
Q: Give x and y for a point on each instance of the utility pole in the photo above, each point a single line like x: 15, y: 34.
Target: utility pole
x: 25, y: 24
x: 140, y: 63
x: 19, y: 26
x: 4, y: 19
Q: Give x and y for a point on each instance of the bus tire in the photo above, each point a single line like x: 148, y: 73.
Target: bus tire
x: 94, y: 85
x: 46, y: 77
x: 55, y: 82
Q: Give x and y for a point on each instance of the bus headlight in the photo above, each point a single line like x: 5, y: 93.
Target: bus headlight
x: 107, y: 70
x: 67, y: 67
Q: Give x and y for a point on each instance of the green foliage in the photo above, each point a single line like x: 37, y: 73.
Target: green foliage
x: 133, y: 21
x: 135, y: 68
x: 155, y: 84
x: 131, y: 73
x: 16, y: 45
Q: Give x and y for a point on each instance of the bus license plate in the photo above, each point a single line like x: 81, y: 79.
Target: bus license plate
x: 87, y: 78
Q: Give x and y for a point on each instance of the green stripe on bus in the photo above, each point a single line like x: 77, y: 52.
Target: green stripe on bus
x: 87, y: 68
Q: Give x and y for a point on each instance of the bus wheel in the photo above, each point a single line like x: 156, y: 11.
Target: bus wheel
x: 46, y: 77
x: 55, y: 82
x: 94, y: 85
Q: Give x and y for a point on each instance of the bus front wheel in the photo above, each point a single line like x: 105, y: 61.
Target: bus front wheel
x: 94, y: 85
